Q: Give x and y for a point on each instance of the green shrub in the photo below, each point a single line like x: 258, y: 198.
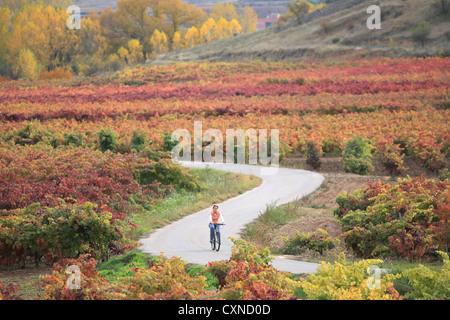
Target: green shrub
x: 428, y: 284
x: 300, y: 81
x: 317, y: 242
x: 168, y: 173
x: 421, y: 32
x: 66, y: 231
x: 244, y: 251
x: 275, y: 81
x: 313, y: 153
x: 407, y: 219
x: 74, y: 138
x: 444, y: 175
x: 139, y: 140
x: 29, y: 134
x: 107, y: 139
x: 330, y: 146
x: 169, y: 144
x: 357, y: 155
x: 359, y: 200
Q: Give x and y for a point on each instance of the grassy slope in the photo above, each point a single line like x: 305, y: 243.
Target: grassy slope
x: 311, y: 41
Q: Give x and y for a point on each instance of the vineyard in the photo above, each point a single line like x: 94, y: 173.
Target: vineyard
x: 401, y: 102
x: 80, y: 157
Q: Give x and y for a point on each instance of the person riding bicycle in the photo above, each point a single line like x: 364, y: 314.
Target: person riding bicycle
x: 215, y: 217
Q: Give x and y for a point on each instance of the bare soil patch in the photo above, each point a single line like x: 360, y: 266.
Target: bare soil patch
x: 26, y: 279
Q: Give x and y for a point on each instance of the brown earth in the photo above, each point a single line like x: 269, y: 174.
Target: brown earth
x: 26, y: 279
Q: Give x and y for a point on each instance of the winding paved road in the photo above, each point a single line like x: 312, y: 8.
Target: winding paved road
x: 188, y: 237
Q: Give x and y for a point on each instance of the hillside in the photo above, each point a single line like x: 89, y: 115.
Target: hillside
x: 336, y: 31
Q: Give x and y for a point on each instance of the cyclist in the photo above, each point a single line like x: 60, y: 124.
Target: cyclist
x: 215, y: 217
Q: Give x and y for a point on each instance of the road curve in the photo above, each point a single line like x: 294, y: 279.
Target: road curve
x: 188, y: 237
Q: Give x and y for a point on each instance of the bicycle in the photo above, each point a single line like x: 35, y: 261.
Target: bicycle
x: 215, y: 242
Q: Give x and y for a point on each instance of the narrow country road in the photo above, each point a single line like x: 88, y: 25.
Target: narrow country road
x: 188, y: 237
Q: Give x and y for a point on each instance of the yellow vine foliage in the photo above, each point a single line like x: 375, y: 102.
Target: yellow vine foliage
x: 343, y: 281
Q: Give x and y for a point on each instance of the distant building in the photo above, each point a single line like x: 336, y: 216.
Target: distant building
x: 267, y: 22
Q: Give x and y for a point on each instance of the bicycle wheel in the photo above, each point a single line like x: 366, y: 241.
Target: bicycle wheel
x: 213, y: 244
x: 217, y: 241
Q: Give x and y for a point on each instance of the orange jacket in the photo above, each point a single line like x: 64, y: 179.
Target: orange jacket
x: 214, y: 217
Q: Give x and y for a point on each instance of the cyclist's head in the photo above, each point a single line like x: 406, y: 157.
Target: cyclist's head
x: 215, y: 206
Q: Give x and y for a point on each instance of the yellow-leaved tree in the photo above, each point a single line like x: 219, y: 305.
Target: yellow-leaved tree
x: 26, y: 66
x: 177, y: 43
x: 5, y: 22
x: 123, y: 54
x: 135, y: 53
x: 43, y: 30
x: 234, y: 27
x: 221, y: 29
x: 192, y: 37
x: 159, y: 43
x: 179, y: 14
x: 227, y: 20
x: 207, y: 31
x: 138, y: 19
x: 247, y: 19
x: 224, y: 10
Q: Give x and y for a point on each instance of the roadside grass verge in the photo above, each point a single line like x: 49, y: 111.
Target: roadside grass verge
x: 219, y: 186
x: 280, y: 221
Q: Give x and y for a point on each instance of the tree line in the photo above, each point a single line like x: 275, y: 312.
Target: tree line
x: 35, y: 40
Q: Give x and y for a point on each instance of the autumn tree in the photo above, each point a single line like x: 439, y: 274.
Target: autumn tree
x: 123, y: 54
x: 234, y: 27
x: 112, y: 31
x: 221, y: 29
x: 177, y: 42
x: 248, y: 19
x: 135, y: 53
x: 224, y: 10
x: 139, y: 19
x: 299, y: 9
x: 5, y: 22
x: 159, y: 43
x: 92, y: 40
x: 226, y: 29
x: 16, y: 6
x: 207, y: 31
x: 26, y: 66
x: 192, y: 37
x: 43, y: 30
x: 180, y: 14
